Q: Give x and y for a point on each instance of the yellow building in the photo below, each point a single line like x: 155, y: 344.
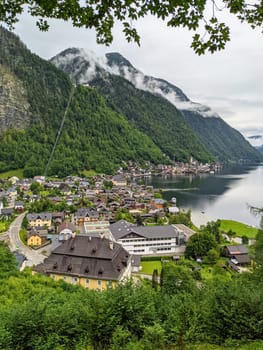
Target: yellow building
x: 92, y: 262
x: 36, y: 237
x: 39, y: 220
x: 34, y: 240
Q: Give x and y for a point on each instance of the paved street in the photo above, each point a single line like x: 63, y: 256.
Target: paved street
x: 15, y: 244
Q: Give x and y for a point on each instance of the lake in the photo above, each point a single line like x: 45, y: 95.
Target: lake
x: 224, y: 195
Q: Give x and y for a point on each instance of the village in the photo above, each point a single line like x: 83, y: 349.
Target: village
x: 94, y: 231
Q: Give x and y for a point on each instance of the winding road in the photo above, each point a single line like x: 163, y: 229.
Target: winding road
x: 15, y: 243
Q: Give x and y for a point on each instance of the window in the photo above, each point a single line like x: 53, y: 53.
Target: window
x: 99, y: 283
x: 87, y: 281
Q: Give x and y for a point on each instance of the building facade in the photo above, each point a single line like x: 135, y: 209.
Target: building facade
x: 150, y: 240
x: 91, y: 262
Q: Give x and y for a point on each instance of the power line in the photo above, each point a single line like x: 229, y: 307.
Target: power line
x: 60, y: 129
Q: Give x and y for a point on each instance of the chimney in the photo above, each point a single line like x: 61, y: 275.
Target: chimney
x: 111, y: 246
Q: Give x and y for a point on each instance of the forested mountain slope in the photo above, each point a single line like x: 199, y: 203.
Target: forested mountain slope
x: 148, y: 112
x: 94, y: 135
x: 223, y: 141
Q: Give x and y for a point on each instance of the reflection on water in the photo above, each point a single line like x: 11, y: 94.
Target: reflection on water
x: 227, y: 195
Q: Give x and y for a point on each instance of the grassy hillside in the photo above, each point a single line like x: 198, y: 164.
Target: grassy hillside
x: 238, y: 228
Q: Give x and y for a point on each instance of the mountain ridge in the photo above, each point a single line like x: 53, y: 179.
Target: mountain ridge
x: 94, y: 136
x: 221, y: 140
x: 109, y: 120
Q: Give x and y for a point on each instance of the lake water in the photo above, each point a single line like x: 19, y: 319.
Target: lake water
x: 224, y: 195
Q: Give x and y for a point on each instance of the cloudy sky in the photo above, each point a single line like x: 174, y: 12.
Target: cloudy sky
x: 230, y: 82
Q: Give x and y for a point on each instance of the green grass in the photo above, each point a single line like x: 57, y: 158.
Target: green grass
x: 3, y: 226
x: 209, y: 272
x: 88, y: 173
x: 18, y: 173
x: 239, y: 228
x: 250, y: 346
x: 23, y: 235
x: 149, y: 266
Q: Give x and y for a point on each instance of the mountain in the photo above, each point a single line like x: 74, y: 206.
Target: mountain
x: 33, y: 99
x: 105, y: 119
x: 150, y: 113
x: 222, y: 141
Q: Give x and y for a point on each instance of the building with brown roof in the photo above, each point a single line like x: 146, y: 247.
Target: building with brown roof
x: 92, y: 262
x: 36, y: 237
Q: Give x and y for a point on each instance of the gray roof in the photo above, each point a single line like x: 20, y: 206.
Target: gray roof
x: 41, y: 216
x: 83, y: 256
x: 123, y: 228
x: 242, y: 259
x: 66, y: 225
x: 85, y: 212
x: 237, y: 249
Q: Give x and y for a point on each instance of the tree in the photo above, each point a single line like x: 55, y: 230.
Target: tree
x: 176, y: 279
x: 212, y: 256
x: 139, y: 220
x: 183, y: 217
x: 199, y: 245
x: 213, y: 227
x: 259, y: 248
x: 258, y: 211
x: 36, y: 187
x: 155, y: 279
x: 8, y: 264
x: 102, y: 16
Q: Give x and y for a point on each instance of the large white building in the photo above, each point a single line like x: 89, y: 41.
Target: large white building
x: 150, y: 240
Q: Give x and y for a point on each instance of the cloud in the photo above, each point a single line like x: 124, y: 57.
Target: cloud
x: 230, y: 82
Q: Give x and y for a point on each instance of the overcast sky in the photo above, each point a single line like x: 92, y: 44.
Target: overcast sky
x: 230, y: 82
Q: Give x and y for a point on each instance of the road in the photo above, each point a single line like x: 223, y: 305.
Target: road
x: 15, y: 244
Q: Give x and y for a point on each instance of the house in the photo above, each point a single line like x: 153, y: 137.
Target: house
x: 91, y: 262
x: 173, y: 210
x: 119, y: 180
x: 7, y: 212
x: 238, y: 256
x: 39, y: 219
x: 13, y: 180
x: 136, y: 263
x: 97, y: 228
x: 66, y: 230
x: 85, y: 215
x: 19, y: 206
x: 149, y: 240
x: 157, y: 203
x: 36, y: 237
x: 39, y: 179
x: 58, y: 217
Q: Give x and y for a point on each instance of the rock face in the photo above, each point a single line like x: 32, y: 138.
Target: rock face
x: 14, y: 107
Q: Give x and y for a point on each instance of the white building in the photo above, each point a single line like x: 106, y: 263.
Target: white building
x: 150, y: 240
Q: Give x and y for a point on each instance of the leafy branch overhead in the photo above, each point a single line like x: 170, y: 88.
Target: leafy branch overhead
x: 195, y: 15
